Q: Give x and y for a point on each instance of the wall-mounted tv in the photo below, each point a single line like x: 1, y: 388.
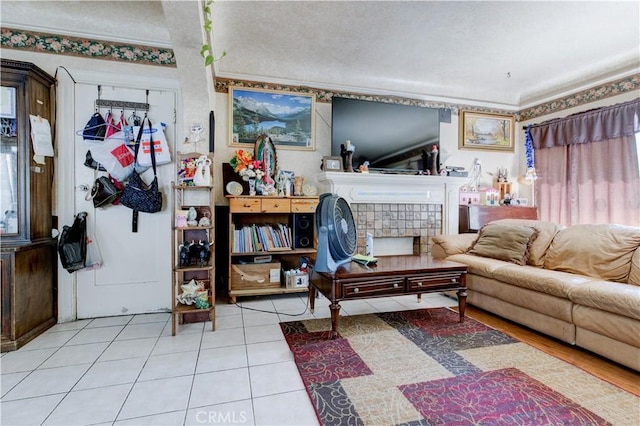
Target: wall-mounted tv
x: 392, y: 137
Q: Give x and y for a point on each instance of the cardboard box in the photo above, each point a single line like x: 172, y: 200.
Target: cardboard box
x: 255, y: 275
x: 297, y: 281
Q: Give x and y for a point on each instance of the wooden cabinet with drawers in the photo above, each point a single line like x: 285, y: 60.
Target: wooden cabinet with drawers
x: 266, y: 236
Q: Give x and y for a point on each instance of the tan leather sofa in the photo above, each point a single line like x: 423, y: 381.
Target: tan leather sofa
x: 580, y: 284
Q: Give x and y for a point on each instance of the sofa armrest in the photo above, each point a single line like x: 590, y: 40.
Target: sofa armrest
x: 447, y: 245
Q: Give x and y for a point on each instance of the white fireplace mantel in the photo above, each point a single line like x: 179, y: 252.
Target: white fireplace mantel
x: 400, y: 189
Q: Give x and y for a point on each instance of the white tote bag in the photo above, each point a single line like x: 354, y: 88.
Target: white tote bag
x: 160, y: 145
x: 114, y: 155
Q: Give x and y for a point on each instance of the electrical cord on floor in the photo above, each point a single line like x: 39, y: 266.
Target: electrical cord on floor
x: 306, y: 308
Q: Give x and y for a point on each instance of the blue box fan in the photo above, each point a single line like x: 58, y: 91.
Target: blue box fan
x: 336, y: 232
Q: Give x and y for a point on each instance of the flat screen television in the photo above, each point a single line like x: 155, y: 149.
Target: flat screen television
x: 392, y: 137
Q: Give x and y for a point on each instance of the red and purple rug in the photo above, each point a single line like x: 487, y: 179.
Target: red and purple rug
x: 423, y: 367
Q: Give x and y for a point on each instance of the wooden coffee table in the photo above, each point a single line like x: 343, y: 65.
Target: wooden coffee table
x: 391, y: 276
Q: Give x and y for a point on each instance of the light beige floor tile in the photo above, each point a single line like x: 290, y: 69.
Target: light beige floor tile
x: 231, y: 413
x: 270, y: 379
x: 16, y: 361
x: 178, y: 343
x: 220, y: 387
x: 110, y: 321
x: 8, y: 381
x: 30, y: 411
x: 128, y: 349
x: 109, y: 373
x: 221, y: 338
x: 95, y: 335
x: 259, y: 318
x: 169, y: 365
x: 50, y: 340
x: 157, y: 397
x: 90, y: 406
x: 225, y: 358
x: 186, y: 328
x: 146, y: 318
x: 141, y: 330
x: 269, y: 352
x: 263, y: 333
x: 76, y: 354
x: 291, y: 408
x: 229, y: 321
x: 165, y: 419
x: 47, y: 381
x: 66, y: 326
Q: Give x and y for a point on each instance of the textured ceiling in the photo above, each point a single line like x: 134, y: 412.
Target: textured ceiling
x: 460, y: 50
x: 510, y: 54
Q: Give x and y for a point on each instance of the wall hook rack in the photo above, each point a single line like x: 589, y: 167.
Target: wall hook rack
x: 122, y: 104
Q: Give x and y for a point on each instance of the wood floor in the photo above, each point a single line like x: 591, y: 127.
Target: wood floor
x: 613, y: 373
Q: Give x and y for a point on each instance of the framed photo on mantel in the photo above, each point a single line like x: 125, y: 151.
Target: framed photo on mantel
x: 490, y: 132
x: 287, y: 118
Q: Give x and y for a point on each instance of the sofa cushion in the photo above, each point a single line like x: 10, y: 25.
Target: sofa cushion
x: 555, y: 283
x: 539, y: 247
x: 601, y: 251
x: 510, y: 243
x: 446, y: 245
x: 620, y: 299
x: 479, y: 265
x: 634, y: 272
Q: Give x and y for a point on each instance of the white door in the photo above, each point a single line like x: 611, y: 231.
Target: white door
x: 136, y: 273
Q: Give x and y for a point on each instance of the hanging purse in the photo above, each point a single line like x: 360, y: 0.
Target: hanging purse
x: 137, y: 195
x: 72, y: 244
x: 105, y: 191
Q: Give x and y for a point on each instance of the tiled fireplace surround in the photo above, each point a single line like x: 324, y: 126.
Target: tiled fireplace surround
x: 397, y: 206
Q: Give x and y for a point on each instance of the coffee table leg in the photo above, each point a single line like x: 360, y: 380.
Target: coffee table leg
x: 335, y: 316
x: 312, y: 298
x: 462, y: 302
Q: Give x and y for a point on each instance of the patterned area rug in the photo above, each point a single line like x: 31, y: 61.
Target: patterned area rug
x: 423, y: 367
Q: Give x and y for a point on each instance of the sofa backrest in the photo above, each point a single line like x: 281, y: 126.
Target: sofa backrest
x: 634, y: 272
x: 602, y: 251
x: 546, y: 232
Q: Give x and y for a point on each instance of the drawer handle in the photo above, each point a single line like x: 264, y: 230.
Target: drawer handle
x: 454, y: 280
x: 246, y: 205
x: 395, y: 285
x: 420, y: 284
x: 356, y: 290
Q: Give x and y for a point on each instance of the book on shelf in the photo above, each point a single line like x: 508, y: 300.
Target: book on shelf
x: 261, y: 237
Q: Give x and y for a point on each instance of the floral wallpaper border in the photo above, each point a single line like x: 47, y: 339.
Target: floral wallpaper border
x: 593, y: 94
x: 95, y: 49
x: 602, y: 91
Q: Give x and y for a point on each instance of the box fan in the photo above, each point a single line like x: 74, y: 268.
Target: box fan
x: 336, y: 232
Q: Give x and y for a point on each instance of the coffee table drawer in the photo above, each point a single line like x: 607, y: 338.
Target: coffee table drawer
x: 373, y: 288
x: 434, y: 282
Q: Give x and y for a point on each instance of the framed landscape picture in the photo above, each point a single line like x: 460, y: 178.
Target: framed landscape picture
x: 491, y: 132
x: 287, y: 118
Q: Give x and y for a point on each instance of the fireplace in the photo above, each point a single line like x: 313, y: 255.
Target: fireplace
x: 402, y: 212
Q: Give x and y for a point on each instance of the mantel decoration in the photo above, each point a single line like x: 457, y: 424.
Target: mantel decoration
x: 490, y: 132
x: 249, y: 169
x: 286, y: 118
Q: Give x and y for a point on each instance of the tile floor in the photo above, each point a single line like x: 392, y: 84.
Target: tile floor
x: 129, y: 370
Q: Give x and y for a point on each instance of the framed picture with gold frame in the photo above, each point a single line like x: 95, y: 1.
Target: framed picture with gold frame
x: 287, y: 118
x: 489, y: 132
